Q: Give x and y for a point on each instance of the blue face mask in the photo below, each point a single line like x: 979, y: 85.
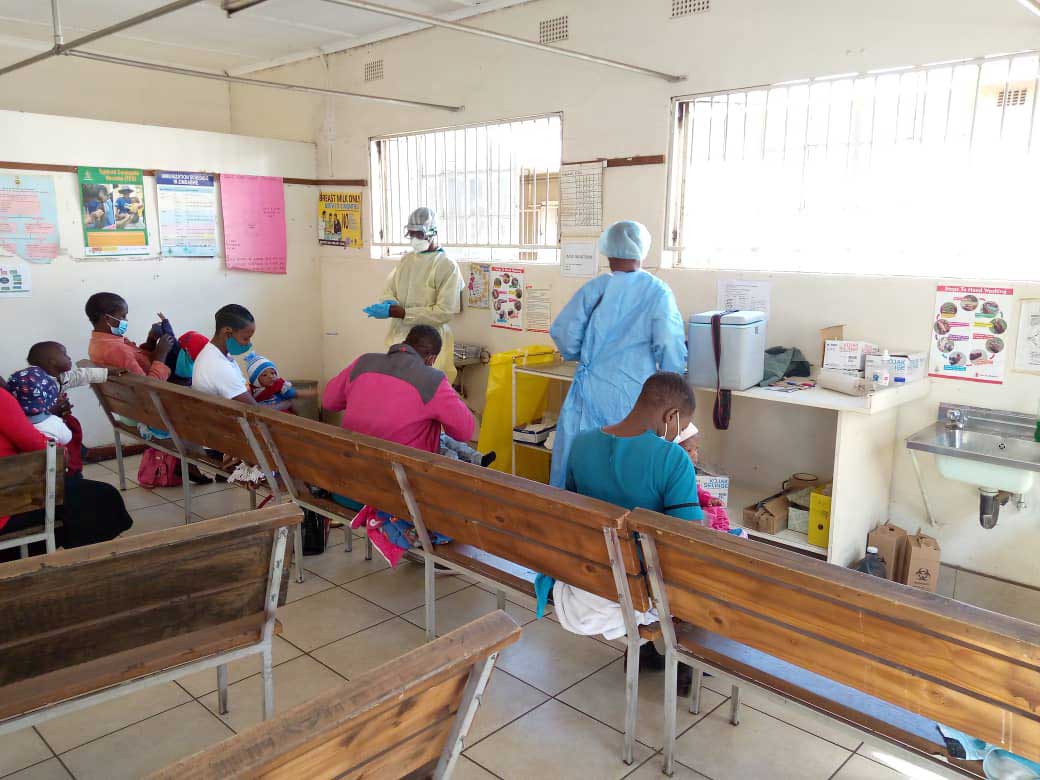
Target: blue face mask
x: 234, y: 347
x: 185, y: 365
x: 120, y: 329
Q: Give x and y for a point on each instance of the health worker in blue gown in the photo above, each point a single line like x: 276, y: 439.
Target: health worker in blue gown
x: 621, y: 329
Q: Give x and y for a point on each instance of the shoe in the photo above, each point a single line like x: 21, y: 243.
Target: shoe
x: 488, y: 459
x: 649, y: 659
x: 196, y: 477
x: 684, y: 680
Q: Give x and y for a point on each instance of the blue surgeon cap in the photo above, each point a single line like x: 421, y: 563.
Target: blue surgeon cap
x: 625, y: 240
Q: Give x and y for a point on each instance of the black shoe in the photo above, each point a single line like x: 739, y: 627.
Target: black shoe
x: 488, y: 459
x: 684, y: 680
x: 649, y: 659
x: 196, y: 477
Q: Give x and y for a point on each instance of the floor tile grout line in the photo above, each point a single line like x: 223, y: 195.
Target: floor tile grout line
x: 587, y: 676
x: 347, y: 636
x: 695, y: 771
x: 637, y: 766
x: 497, y: 776
x: 796, y: 726
x: 837, y: 771
x: 490, y: 734
x: 700, y: 718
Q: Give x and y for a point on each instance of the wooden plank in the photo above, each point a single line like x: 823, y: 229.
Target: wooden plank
x: 960, y: 622
x: 328, y: 182
x: 72, y: 681
x: 126, y: 395
x: 892, y: 641
x: 23, y: 482
x: 1000, y: 725
x: 337, y: 712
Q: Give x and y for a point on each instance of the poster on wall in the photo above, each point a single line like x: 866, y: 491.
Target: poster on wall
x: 1027, y: 351
x: 339, y: 219
x: 969, y: 333
x: 29, y: 218
x: 15, y: 279
x: 578, y: 258
x: 478, y: 279
x: 112, y: 201
x: 187, y: 213
x: 254, y: 223
x: 539, y: 309
x: 507, y: 297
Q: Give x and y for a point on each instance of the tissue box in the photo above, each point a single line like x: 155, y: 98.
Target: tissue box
x: 905, y: 366
x: 844, y: 354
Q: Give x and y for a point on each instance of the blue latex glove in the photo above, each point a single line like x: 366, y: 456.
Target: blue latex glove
x: 379, y: 311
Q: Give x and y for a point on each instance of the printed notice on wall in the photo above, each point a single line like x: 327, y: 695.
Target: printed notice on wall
x: 478, y: 280
x: 581, y: 197
x: 578, y: 258
x: 114, y: 221
x: 254, y: 222
x: 28, y: 218
x: 187, y: 214
x: 15, y: 279
x: 743, y: 295
x: 969, y: 333
x: 1027, y: 352
x: 507, y: 298
x: 539, y: 309
x: 339, y: 219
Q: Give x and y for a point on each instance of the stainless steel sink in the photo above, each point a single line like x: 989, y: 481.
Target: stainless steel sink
x: 1001, y: 449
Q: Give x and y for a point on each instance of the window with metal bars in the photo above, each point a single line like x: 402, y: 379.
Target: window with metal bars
x: 912, y: 171
x: 495, y: 188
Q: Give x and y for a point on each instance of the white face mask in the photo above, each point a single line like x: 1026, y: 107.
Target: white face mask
x: 420, y: 244
x: 686, y: 433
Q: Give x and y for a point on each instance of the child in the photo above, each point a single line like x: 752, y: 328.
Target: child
x: 54, y: 359
x: 266, y: 387
x: 37, y: 394
x: 715, y: 514
x: 107, y: 313
x: 191, y: 344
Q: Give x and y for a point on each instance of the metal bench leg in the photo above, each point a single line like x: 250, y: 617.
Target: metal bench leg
x: 23, y: 551
x: 671, y: 693
x: 350, y: 537
x: 734, y: 705
x: 501, y: 596
x: 472, y: 695
x: 431, y: 598
x: 268, y: 675
x: 631, y: 698
x: 368, y: 547
x: 187, y: 490
x: 252, y: 496
x: 695, y: 690
x: 298, y: 552
x: 222, y: 690
x: 119, y: 458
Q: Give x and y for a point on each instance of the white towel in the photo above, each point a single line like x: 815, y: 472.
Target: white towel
x: 581, y: 612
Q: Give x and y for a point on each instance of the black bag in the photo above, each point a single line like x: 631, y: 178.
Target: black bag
x: 315, y: 533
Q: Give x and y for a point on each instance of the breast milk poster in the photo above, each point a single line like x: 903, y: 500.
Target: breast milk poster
x: 339, y: 219
x: 112, y: 201
x: 28, y: 218
x: 507, y: 298
x: 969, y: 333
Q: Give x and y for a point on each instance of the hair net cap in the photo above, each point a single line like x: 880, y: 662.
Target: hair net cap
x: 625, y: 240
x: 424, y: 219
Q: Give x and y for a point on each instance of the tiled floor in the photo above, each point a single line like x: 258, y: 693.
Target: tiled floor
x: 554, y: 708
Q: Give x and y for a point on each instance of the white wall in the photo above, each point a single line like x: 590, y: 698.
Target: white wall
x: 187, y: 291
x: 612, y: 113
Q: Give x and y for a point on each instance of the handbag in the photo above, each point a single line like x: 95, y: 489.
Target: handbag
x: 159, y: 469
x: 315, y: 533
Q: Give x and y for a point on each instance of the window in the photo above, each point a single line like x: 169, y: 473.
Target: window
x: 495, y: 188
x: 926, y: 171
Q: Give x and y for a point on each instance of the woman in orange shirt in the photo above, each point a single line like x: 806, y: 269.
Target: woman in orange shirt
x: 107, y: 312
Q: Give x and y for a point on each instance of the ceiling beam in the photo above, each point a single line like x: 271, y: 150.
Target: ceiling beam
x: 433, y: 21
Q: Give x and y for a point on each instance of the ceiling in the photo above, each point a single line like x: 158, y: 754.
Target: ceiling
x: 202, y: 36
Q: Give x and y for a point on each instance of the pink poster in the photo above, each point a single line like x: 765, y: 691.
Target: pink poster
x: 254, y: 222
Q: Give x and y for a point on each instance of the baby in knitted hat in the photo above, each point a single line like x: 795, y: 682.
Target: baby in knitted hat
x: 37, y: 393
x: 267, y: 387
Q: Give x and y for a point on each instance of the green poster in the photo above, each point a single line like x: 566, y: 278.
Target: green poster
x: 113, y: 211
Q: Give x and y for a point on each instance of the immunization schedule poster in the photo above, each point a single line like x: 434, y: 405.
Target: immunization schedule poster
x: 29, y: 218
x: 112, y: 201
x: 339, y: 219
x: 970, y: 332
x: 187, y: 213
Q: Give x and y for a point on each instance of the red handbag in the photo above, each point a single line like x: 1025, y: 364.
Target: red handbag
x: 158, y: 469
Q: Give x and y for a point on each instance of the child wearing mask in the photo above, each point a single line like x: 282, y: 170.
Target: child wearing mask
x: 107, y: 313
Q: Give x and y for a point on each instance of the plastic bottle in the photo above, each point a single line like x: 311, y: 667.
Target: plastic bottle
x: 873, y: 564
x: 884, y: 375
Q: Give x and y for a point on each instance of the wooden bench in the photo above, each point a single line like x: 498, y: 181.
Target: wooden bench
x: 840, y: 643
x: 407, y: 716
x: 31, y: 481
x: 87, y: 625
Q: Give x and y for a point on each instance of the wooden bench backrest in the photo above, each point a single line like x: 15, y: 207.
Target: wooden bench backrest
x: 387, y: 723
x: 950, y: 662
x: 80, y: 618
x: 127, y: 396
x: 356, y: 466
x: 23, y: 482
x: 546, y: 529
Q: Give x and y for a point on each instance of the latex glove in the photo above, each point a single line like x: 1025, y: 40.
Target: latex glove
x: 379, y: 311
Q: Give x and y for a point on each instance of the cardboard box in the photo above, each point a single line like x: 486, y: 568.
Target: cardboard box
x: 833, y: 333
x: 843, y: 354
x: 904, y: 366
x: 820, y: 517
x: 889, y: 540
x: 921, y: 556
x: 768, y: 516
x: 717, y: 486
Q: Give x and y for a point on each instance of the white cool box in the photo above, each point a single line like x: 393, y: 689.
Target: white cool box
x: 743, y: 340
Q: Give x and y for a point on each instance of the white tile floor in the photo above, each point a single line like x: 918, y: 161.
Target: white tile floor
x: 554, y: 708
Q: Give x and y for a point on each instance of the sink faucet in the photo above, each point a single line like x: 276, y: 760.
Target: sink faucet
x: 955, y: 425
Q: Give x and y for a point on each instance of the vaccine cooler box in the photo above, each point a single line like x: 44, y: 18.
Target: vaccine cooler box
x: 743, y: 340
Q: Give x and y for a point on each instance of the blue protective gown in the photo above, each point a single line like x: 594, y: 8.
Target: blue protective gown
x: 621, y: 328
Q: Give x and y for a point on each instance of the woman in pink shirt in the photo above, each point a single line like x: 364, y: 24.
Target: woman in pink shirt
x: 107, y: 312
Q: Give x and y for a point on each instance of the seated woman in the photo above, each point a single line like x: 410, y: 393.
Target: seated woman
x: 91, y: 511
x: 634, y: 463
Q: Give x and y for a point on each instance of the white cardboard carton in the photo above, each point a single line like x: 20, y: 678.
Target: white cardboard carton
x: 718, y: 487
x: 846, y: 354
x: 905, y: 366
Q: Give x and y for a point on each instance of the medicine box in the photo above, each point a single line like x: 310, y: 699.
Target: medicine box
x: 717, y: 487
x: 903, y: 366
x: 845, y: 355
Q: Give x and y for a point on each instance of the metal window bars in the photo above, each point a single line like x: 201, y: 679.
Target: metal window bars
x: 904, y: 170
x: 493, y: 185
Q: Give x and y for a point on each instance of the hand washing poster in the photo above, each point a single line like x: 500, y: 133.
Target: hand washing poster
x: 112, y: 202
x: 187, y: 214
x: 507, y: 298
x: 28, y: 218
x: 339, y: 219
x: 969, y: 333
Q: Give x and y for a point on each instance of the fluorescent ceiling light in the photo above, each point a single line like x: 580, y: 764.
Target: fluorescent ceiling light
x: 1031, y: 5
